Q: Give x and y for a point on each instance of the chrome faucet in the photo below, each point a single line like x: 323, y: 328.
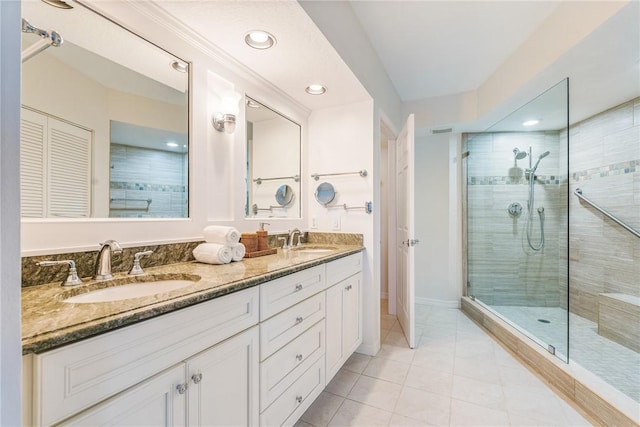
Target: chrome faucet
x: 103, y: 263
x: 291, y: 235
x: 72, y: 277
x: 137, y: 269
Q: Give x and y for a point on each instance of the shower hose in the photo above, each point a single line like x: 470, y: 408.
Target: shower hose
x: 529, y: 222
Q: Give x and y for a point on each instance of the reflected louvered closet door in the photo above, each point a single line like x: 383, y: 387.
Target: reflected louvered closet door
x: 33, y: 136
x: 55, y: 167
x: 69, y: 172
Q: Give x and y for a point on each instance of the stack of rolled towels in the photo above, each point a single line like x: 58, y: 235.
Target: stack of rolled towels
x: 222, y: 245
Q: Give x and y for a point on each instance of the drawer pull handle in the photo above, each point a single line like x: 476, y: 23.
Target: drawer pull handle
x: 299, y: 320
x: 196, y: 378
x: 299, y: 399
x: 182, y: 388
x: 299, y: 287
x: 299, y: 357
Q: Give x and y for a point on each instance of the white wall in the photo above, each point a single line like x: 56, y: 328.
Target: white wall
x: 436, y: 207
x: 341, y: 139
x: 10, y: 348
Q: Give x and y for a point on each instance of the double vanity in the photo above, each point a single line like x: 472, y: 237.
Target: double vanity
x: 247, y: 343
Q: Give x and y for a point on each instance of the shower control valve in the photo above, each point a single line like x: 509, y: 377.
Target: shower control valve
x: 515, y: 210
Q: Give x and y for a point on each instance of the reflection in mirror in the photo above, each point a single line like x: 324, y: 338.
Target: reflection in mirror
x: 98, y: 114
x: 325, y: 193
x: 284, y: 195
x: 273, y: 156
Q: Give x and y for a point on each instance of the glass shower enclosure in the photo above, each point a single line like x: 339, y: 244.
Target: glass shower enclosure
x: 517, y: 219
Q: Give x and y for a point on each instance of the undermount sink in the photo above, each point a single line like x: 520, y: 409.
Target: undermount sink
x: 313, y: 249
x: 129, y: 291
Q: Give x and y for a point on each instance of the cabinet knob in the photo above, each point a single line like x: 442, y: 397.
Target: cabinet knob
x: 299, y: 398
x: 182, y: 388
x: 299, y: 357
x: 196, y: 378
x: 299, y: 287
x: 299, y: 319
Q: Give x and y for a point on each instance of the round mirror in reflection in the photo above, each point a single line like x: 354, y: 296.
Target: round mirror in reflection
x: 284, y: 195
x: 325, y: 193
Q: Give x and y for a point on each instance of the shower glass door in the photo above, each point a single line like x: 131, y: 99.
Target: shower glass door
x: 517, y: 219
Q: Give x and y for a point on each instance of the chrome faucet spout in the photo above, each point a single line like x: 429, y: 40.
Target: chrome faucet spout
x: 291, y: 235
x: 103, y: 262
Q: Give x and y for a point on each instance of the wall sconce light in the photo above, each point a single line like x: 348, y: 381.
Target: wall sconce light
x: 224, y: 122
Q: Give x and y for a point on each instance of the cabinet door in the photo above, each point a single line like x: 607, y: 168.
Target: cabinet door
x: 351, y: 314
x: 333, y: 327
x: 223, y: 383
x: 343, y: 322
x: 155, y: 402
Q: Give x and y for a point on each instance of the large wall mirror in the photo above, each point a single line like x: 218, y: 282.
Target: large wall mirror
x: 273, y: 163
x: 104, y: 124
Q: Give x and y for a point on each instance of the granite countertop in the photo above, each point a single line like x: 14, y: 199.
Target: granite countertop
x: 48, y: 322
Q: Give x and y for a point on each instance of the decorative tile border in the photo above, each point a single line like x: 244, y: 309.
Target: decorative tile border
x: 605, y: 171
x: 510, y: 180
x: 119, y: 185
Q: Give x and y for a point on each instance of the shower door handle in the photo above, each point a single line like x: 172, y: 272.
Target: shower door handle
x: 411, y: 242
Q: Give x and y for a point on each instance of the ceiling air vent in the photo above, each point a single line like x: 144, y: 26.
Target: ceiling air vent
x: 437, y: 131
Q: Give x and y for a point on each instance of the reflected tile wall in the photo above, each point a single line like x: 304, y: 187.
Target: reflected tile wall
x: 138, y: 174
x: 605, y: 164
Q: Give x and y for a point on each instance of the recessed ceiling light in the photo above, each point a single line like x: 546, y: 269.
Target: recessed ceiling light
x: 532, y: 122
x: 58, y: 3
x: 259, y: 39
x: 315, y: 89
x: 179, y: 66
x: 252, y: 104
x: 172, y: 144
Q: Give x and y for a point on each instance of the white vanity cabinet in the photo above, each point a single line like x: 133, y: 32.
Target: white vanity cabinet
x: 73, y: 378
x: 344, y: 311
x: 259, y: 356
x: 217, y: 387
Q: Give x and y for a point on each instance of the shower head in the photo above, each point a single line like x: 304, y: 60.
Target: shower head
x: 519, y: 155
x: 542, y: 156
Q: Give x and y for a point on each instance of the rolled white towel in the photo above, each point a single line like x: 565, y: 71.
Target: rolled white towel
x: 238, y: 252
x: 213, y: 253
x: 220, y: 234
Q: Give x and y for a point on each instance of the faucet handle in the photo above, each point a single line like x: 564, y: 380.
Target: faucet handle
x: 285, y: 246
x: 299, y: 240
x: 137, y: 269
x: 72, y: 277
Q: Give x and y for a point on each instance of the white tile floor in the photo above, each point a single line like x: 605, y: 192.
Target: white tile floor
x: 457, y: 376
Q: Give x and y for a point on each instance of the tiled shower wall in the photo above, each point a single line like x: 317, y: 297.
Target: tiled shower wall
x: 605, y: 164
x: 502, y: 269
x: 138, y: 174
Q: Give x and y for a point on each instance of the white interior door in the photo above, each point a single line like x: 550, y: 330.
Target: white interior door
x: 405, y: 239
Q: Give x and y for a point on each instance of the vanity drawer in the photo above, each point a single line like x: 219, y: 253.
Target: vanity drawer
x: 276, y: 332
x: 74, y: 377
x: 281, y: 369
x: 282, y: 293
x: 342, y: 268
x: 292, y: 403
